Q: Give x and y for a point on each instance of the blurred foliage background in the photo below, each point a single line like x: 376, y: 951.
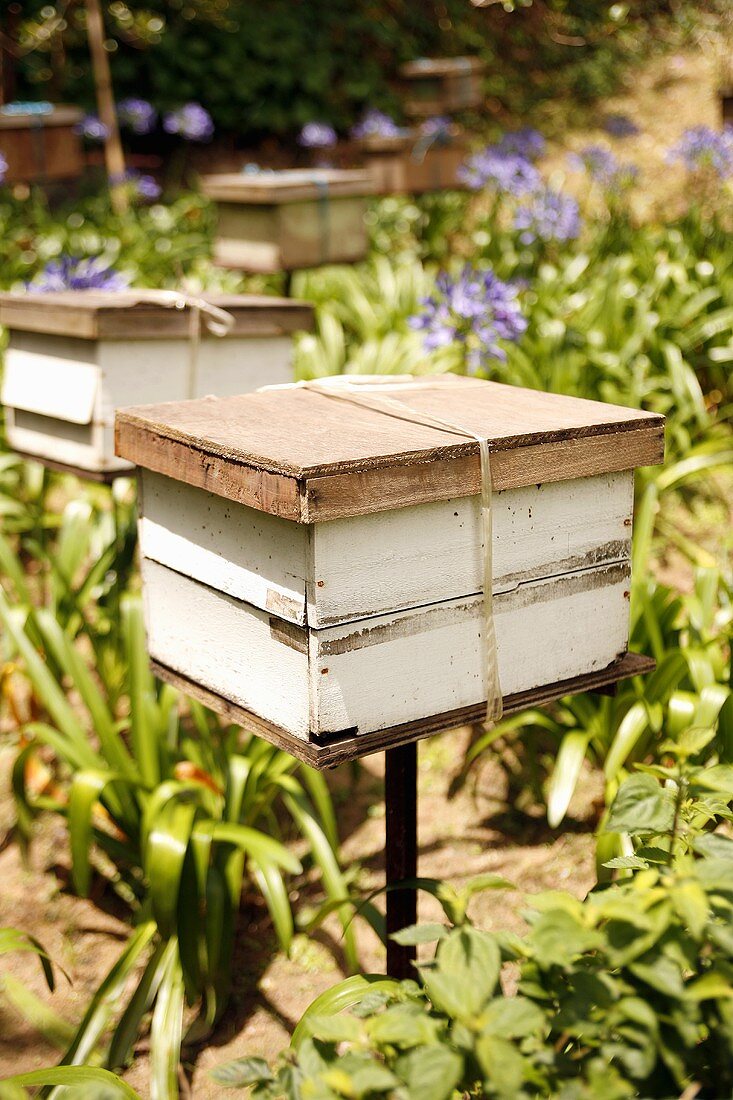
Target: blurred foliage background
x: 250, y: 76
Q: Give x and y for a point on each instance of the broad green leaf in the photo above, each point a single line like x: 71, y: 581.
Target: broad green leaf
x: 342, y: 997
x: 81, y: 1078
x: 641, y: 806
x: 420, y: 933
x: 430, y: 1072
x: 242, y: 1073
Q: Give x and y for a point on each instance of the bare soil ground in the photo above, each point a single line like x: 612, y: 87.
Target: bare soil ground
x: 479, y: 830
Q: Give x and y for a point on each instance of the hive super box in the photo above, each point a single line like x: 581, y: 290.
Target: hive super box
x: 442, y: 85
x: 413, y: 163
x: 74, y: 356
x: 295, y: 218
x: 41, y: 146
x: 318, y: 564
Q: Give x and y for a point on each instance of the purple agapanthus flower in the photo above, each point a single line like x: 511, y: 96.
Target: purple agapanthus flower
x: 191, y: 122
x: 548, y: 215
x: 702, y: 149
x: 376, y: 124
x: 317, y: 135
x: 475, y: 310
x: 503, y: 172
x: 620, y: 126
x: 604, y: 168
x: 142, y: 186
x: 92, y: 128
x: 3, y: 167
x: 527, y: 143
x: 137, y: 115
x: 79, y: 273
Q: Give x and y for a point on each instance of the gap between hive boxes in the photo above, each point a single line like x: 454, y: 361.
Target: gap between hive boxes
x: 351, y: 746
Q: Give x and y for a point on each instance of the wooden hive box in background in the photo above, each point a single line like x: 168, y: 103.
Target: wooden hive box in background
x: 414, y: 164
x: 317, y: 564
x: 283, y: 220
x: 442, y: 85
x: 41, y: 146
x: 74, y: 356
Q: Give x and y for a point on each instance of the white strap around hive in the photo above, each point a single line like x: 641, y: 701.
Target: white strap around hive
x: 217, y: 321
x: 357, y: 389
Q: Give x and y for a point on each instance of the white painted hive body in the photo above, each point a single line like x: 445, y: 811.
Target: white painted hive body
x: 294, y: 218
x: 343, y: 597
x: 73, y: 358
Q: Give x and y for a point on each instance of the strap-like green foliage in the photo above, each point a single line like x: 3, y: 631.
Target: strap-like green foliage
x: 626, y: 994
x: 184, y: 816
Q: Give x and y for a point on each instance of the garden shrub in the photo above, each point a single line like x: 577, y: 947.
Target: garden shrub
x: 628, y: 993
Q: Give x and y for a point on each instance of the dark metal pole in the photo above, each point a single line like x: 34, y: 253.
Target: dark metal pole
x: 400, y: 796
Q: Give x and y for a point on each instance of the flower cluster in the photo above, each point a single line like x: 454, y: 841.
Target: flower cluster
x: 527, y: 143
x: 140, y: 186
x: 3, y: 167
x: 376, y: 124
x: 317, y: 135
x: 475, y: 310
x: 620, y: 126
x: 503, y: 172
x: 548, y: 215
x: 137, y: 115
x: 191, y: 122
x: 76, y: 273
x: 701, y: 149
x: 92, y: 128
x: 604, y: 168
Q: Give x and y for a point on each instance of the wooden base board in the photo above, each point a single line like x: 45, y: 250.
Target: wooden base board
x: 339, y: 751
x: 104, y: 477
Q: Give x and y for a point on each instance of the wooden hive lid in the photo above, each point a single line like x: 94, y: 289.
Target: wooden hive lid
x: 287, y: 185
x: 441, y: 66
x: 58, y: 115
x: 122, y: 315
x: 308, y: 457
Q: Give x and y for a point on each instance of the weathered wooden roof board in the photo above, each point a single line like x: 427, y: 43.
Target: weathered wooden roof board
x: 59, y: 115
x: 287, y: 185
x: 441, y: 66
x: 308, y: 456
x: 122, y: 315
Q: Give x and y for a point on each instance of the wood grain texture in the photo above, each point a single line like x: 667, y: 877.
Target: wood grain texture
x: 342, y: 750
x: 346, y: 459
x: 40, y: 148
x: 93, y: 315
x: 287, y: 185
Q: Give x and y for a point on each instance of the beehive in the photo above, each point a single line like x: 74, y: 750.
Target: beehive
x: 318, y: 564
x: 283, y: 220
x: 442, y: 85
x: 414, y: 163
x: 41, y: 146
x: 74, y: 356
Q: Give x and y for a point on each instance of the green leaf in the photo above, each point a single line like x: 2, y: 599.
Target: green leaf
x: 243, y: 1072
x: 565, y: 774
x: 502, y: 1065
x: 335, y: 1029
x: 711, y: 986
x: 164, y: 858
x: 403, y: 1026
x: 420, y: 933
x: 341, y: 997
x: 166, y: 1030
x: 13, y: 940
x: 42, y: 1017
x: 430, y: 1072
x: 641, y: 806
x: 465, y: 974
x: 512, y: 1018
x: 76, y: 1077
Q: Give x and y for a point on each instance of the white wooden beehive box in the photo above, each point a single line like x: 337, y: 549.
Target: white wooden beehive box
x: 73, y: 357
x: 442, y: 85
x: 272, y: 221
x: 415, y: 164
x: 318, y: 564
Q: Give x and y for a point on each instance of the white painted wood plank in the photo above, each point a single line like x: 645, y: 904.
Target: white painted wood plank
x: 51, y: 375
x: 388, y: 561
x: 390, y: 669
x: 416, y: 664
x: 251, y: 555
x: 228, y: 646
x: 80, y: 445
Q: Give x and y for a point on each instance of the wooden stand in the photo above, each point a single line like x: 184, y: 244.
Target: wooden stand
x: 102, y: 477
x: 400, y: 799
